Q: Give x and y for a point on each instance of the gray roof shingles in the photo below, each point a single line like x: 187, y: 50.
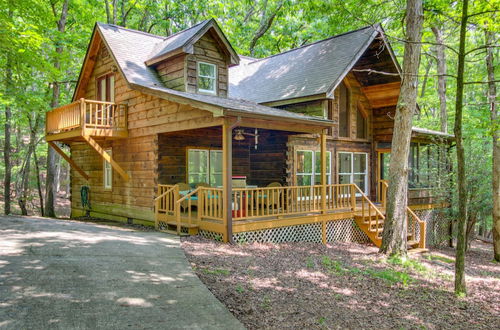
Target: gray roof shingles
x: 132, y: 49
x: 309, y: 70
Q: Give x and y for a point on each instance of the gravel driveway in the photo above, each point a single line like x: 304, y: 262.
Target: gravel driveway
x: 71, y: 275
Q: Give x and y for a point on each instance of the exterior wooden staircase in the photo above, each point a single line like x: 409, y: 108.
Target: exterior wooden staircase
x: 370, y: 219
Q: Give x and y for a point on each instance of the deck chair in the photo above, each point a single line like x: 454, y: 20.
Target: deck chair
x: 273, y: 197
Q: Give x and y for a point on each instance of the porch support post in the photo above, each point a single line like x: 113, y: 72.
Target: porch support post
x: 323, y: 172
x: 227, y: 176
x: 323, y: 184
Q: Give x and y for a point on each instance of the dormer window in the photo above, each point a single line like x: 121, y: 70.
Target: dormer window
x: 207, y: 78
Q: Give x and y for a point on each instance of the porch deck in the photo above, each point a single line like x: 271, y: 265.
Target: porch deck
x: 86, y: 118
x: 257, y: 209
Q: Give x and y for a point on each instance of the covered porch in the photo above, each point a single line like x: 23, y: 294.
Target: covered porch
x: 227, y: 181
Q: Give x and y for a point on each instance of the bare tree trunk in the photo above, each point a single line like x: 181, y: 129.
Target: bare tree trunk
x: 494, y: 114
x: 7, y: 143
x: 52, y: 157
x: 108, y: 13
x: 441, y: 71
x: 265, y: 24
x: 38, y: 183
x: 395, y: 227
x: 460, y: 287
x: 426, y: 77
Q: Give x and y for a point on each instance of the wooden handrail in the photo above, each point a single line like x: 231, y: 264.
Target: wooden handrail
x: 410, y: 215
x: 178, y: 208
x: 85, y: 113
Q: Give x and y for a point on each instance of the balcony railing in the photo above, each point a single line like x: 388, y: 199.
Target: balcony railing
x: 87, y: 114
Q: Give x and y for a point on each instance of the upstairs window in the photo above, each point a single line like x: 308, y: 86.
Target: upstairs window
x: 207, y: 78
x: 343, y: 111
x: 361, y: 125
x: 106, y: 88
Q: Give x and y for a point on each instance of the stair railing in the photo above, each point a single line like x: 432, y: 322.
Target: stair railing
x: 185, y: 202
x: 413, y: 218
x: 368, y: 209
x: 165, y: 202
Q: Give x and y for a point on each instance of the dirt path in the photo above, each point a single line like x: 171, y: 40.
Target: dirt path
x: 305, y: 285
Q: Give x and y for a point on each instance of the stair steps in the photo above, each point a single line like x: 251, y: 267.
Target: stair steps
x: 368, y: 224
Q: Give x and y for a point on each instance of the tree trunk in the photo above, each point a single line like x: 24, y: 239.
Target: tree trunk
x: 494, y: 114
x: 460, y: 287
x: 52, y: 157
x: 7, y: 143
x: 38, y: 183
x: 441, y: 71
x: 395, y: 227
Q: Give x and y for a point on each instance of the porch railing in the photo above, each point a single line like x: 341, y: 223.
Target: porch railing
x: 87, y: 114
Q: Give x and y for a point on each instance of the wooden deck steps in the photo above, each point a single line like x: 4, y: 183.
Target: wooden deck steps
x: 186, y: 228
x: 373, y: 226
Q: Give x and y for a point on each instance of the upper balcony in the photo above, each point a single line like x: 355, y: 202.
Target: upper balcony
x: 81, y: 118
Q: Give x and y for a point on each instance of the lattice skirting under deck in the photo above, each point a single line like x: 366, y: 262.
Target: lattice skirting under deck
x: 437, y: 226
x: 344, y: 230
x: 162, y: 226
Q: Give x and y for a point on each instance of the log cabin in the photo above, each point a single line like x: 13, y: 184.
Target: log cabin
x: 182, y: 133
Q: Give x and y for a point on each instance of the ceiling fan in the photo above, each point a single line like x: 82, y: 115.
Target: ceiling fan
x: 239, y: 135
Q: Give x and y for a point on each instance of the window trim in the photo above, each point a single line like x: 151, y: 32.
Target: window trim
x: 198, y: 75
x: 352, y: 173
x: 361, y: 111
x: 107, y: 167
x: 312, y: 174
x: 348, y: 112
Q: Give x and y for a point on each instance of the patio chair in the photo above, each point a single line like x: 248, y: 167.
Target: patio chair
x: 273, y: 196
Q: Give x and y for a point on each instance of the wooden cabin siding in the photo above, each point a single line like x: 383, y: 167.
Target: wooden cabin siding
x: 132, y: 199
x: 172, y: 72
x: 268, y: 163
x: 208, y: 50
x: 383, y: 123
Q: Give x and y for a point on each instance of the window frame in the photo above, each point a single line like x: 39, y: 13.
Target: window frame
x: 110, y: 83
x: 208, y: 152
x: 198, y: 76
x: 313, y: 173
x: 352, y: 173
x: 107, y: 171
x: 361, y: 113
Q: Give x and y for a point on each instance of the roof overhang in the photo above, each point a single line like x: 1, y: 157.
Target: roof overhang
x: 188, y: 46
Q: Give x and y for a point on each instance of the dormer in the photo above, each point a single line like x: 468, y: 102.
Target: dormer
x: 195, y: 60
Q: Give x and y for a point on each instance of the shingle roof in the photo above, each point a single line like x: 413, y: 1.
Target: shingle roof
x: 132, y: 48
x: 176, y: 40
x: 309, y: 70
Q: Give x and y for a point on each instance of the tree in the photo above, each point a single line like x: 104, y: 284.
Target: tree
x: 395, y: 226
x: 460, y: 286
x: 52, y: 157
x: 495, y: 117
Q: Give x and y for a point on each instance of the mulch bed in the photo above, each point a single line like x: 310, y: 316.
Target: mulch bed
x: 345, y: 285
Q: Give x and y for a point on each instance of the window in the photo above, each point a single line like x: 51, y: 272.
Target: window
x: 361, y: 125
x: 106, y: 88
x: 309, y: 167
x: 343, y: 111
x: 353, y: 168
x: 107, y: 172
x: 205, y: 166
x: 207, y: 78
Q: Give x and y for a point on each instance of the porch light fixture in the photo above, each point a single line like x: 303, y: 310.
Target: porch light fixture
x: 240, y: 136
